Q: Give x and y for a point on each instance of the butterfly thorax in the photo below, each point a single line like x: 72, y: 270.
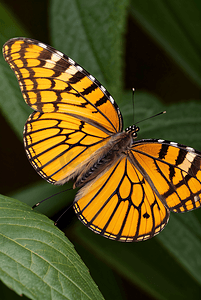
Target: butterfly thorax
x: 115, y: 149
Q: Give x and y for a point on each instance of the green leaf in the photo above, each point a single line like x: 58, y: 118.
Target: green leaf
x: 37, y: 260
x: 176, y: 26
x: 95, y: 39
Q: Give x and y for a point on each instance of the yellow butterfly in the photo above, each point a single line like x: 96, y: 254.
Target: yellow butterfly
x: 128, y: 188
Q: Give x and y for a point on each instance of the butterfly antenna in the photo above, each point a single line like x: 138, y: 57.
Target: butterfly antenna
x: 37, y: 204
x: 160, y: 113
x: 63, y: 213
x: 133, y: 89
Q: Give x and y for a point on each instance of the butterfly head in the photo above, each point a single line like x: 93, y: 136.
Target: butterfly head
x: 132, y: 129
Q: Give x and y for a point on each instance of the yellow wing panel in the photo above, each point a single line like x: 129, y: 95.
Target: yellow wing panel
x: 58, y: 145
x: 47, y: 76
x: 121, y: 205
x: 175, y: 171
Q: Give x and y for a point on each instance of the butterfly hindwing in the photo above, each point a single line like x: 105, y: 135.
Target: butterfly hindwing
x: 121, y: 205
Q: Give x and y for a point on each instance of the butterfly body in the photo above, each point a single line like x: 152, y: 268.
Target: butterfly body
x: 127, y: 186
x: 117, y: 147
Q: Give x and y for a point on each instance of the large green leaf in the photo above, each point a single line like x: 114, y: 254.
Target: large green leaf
x: 37, y: 260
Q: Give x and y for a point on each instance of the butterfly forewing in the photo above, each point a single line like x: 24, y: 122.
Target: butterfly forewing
x: 50, y: 81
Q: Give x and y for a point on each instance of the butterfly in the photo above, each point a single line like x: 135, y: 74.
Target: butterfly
x: 127, y: 186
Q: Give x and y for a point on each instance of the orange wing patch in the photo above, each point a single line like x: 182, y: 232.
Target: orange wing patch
x: 121, y: 205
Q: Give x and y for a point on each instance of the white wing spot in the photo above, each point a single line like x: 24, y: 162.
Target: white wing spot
x: 111, y: 99
x: 196, y: 198
x: 161, y: 141
x: 174, y: 144
x: 42, y: 45
x: 190, y: 149
x: 92, y: 78
x: 59, y: 53
x: 102, y: 88
x: 79, y: 68
x: 71, y: 61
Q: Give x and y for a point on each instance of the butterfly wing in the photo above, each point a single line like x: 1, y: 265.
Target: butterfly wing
x: 75, y: 115
x: 121, y: 205
x: 132, y: 200
x: 174, y: 170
